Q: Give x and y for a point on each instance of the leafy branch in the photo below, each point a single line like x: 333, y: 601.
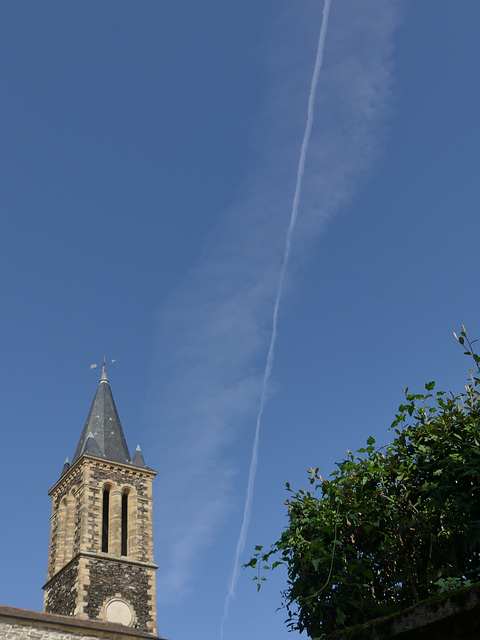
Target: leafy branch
x: 392, y: 525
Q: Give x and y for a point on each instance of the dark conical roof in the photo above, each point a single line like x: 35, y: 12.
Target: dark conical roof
x: 102, y: 435
x: 137, y: 459
x: 66, y: 466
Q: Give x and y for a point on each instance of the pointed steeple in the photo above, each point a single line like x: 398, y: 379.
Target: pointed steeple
x: 102, y: 435
x: 100, y: 560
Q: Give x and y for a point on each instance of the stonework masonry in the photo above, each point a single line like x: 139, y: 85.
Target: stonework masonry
x: 82, y: 487
x: 22, y: 624
x: 83, y: 579
x: 100, y: 573
x: 63, y: 598
x: 111, y: 579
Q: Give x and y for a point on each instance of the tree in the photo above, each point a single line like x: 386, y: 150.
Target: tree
x: 392, y: 525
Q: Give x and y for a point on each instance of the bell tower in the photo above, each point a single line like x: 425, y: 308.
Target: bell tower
x: 100, y: 562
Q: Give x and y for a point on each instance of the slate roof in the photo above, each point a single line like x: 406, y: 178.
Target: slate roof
x: 102, y: 435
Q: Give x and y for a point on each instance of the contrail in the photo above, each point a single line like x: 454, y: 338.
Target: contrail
x: 232, y: 585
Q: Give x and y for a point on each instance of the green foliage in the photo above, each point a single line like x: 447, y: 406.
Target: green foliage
x: 391, y: 526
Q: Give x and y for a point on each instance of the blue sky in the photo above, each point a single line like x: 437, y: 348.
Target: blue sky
x: 149, y: 152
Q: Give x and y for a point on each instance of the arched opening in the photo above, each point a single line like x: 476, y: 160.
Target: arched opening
x: 105, y: 518
x: 124, y: 551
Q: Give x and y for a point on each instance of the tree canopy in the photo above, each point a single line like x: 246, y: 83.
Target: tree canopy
x: 392, y: 525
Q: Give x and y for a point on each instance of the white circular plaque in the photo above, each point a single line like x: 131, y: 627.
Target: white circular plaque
x: 119, y: 611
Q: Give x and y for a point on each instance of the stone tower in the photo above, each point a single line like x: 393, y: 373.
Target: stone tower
x: 100, y: 562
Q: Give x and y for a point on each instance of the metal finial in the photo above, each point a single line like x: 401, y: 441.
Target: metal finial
x: 104, y: 368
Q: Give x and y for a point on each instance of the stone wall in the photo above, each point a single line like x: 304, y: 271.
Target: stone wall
x: 76, y: 521
x: 132, y: 582
x: 23, y: 624
x: 140, y: 481
x: 68, y: 487
x: 450, y: 616
x: 19, y: 631
x: 82, y: 579
x: 61, y: 598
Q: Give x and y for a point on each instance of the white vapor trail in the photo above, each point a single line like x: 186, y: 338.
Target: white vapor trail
x: 216, y: 320
x: 273, y: 339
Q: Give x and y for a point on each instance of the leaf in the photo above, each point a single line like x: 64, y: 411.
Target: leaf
x: 340, y: 619
x: 390, y: 522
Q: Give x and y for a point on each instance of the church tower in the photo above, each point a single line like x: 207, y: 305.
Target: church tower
x: 100, y: 563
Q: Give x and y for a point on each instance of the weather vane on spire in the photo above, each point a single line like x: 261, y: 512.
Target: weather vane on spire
x: 103, y: 365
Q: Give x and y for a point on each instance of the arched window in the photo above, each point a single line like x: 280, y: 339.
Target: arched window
x: 105, y: 518
x: 124, y: 551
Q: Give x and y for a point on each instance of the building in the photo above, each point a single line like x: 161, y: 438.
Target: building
x: 101, y: 574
